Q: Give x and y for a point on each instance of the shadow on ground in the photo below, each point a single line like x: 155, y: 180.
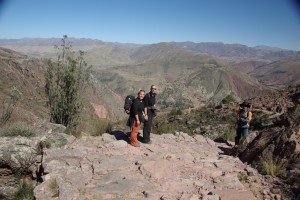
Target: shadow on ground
x: 123, y: 135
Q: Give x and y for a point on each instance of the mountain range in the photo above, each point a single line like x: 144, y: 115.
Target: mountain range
x: 187, y: 74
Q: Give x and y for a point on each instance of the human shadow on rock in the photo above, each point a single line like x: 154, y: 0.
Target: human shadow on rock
x: 121, y: 135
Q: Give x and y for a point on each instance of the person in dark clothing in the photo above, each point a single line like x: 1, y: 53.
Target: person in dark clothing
x: 138, y: 116
x: 150, y: 111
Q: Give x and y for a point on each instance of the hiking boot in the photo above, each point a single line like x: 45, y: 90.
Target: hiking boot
x: 147, y: 142
x: 136, y: 145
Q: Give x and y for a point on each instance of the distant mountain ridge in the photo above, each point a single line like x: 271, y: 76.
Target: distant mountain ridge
x: 238, y: 52
x: 219, y: 49
x: 187, y: 74
x: 49, y: 41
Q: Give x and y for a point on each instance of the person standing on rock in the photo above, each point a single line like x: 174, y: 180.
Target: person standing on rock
x: 138, y: 115
x: 150, y: 111
x: 243, y: 122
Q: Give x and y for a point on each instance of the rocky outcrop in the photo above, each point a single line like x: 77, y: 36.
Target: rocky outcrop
x: 276, y: 149
x: 21, y: 156
x: 174, y: 166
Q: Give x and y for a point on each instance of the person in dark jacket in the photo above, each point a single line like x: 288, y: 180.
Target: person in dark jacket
x: 150, y: 111
x: 138, y: 116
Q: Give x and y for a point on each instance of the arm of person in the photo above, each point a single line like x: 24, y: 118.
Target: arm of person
x: 137, y: 119
x: 146, y: 103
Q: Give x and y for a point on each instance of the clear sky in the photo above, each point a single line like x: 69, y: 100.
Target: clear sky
x: 250, y: 22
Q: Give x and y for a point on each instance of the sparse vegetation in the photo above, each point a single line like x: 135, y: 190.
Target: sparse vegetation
x: 297, y: 113
x: 228, y: 99
x: 64, y: 80
x: 163, y: 128
x: 24, y: 192
x: 230, y: 133
x: 102, y: 126
x: 9, y: 105
x: 254, y: 191
x: 53, y: 186
x: 274, y: 167
x: 81, y: 191
x: 176, y: 111
x: 243, y: 177
x: 259, y: 118
x: 18, y: 129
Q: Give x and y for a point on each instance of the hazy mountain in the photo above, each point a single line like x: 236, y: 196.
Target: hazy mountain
x: 49, y: 41
x: 280, y: 73
x: 184, y: 78
x: 237, y: 51
x: 187, y: 74
x: 264, y: 47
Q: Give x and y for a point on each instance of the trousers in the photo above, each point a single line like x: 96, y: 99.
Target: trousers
x: 134, y: 132
x: 147, y: 126
x: 240, y: 132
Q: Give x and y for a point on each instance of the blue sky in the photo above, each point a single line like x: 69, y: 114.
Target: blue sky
x: 251, y: 22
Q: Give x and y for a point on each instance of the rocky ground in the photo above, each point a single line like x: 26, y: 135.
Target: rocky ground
x: 174, y: 166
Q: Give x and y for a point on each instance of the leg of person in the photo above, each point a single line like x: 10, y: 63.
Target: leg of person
x: 245, y: 132
x: 133, y: 135
x: 147, y: 128
x: 238, y: 136
x: 150, y: 125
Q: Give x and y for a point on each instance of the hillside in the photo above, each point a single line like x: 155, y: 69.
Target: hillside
x: 279, y: 74
x: 26, y: 75
x: 184, y: 78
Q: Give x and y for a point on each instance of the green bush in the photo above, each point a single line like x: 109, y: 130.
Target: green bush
x: 18, y: 129
x: 64, y: 81
x: 229, y: 98
x: 163, y: 128
x: 175, y: 111
x: 24, y: 192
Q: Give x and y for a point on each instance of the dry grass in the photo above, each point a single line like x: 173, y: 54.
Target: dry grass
x: 274, y: 168
x: 53, y: 186
x: 17, y: 129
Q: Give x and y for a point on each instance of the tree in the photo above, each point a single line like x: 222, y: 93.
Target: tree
x: 64, y: 81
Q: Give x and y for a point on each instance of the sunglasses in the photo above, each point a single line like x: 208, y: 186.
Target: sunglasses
x: 153, y: 88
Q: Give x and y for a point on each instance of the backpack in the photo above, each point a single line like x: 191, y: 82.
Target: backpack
x: 128, y: 102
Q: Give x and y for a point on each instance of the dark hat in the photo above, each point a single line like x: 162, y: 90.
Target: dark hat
x: 245, y: 104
